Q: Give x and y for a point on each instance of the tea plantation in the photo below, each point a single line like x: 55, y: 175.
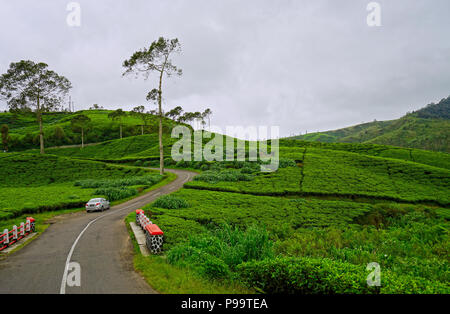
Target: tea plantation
x: 312, y: 226
x: 33, y: 183
x: 315, y: 224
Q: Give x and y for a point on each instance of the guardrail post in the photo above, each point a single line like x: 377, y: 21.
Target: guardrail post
x: 27, y: 226
x: 14, y: 234
x: 6, y: 237
x: 22, y: 229
x: 32, y: 223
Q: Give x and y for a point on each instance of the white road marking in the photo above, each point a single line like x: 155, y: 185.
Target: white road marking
x: 69, y: 256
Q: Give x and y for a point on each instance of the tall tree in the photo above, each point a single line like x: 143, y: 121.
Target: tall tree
x: 198, y: 118
x: 207, y: 114
x: 81, y: 123
x: 118, y: 115
x: 29, y: 85
x: 175, y: 113
x: 155, y: 59
x: 139, y: 113
x: 5, y: 135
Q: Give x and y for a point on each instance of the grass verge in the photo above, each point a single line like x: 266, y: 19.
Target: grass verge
x: 166, y: 278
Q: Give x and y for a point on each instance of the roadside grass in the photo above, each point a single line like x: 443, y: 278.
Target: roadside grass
x: 170, y: 279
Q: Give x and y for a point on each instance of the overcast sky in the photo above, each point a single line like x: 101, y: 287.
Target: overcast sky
x: 302, y: 65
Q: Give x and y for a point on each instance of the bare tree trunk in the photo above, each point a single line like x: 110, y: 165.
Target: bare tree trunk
x: 161, y: 148
x: 41, y: 129
x: 121, y: 131
x: 142, y: 130
x: 82, y: 138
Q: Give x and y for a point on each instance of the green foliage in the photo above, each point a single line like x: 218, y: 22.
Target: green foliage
x: 33, y: 170
x: 324, y: 276
x: 146, y: 180
x: 217, y: 253
x: 36, y: 183
x: 113, y: 194
x: 229, y: 175
x: 170, y: 202
x: 23, y: 126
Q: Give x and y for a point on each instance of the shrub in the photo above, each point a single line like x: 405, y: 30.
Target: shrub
x: 205, y: 264
x: 171, y: 202
x: 114, y: 194
x: 147, y: 180
x: 183, y: 164
x: 138, y: 163
x: 231, y: 175
x: 218, y: 252
x: 324, y: 276
x: 286, y: 162
x: 169, y: 161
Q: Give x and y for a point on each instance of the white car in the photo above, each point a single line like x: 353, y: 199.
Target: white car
x: 97, y: 204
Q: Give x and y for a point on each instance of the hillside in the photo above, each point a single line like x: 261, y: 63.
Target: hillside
x: 23, y: 129
x: 329, y: 210
x: 427, y: 128
x: 33, y: 183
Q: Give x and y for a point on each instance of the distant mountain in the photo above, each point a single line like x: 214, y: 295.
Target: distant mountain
x: 427, y: 128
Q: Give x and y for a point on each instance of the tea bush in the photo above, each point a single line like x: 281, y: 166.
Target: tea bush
x: 113, y: 194
x: 170, y: 202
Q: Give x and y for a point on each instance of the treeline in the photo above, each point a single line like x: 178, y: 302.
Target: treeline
x: 440, y: 110
x: 82, y: 129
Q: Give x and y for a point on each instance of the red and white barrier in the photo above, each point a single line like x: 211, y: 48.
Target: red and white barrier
x: 8, y: 238
x: 154, y: 237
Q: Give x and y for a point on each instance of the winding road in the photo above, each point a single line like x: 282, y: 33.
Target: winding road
x: 99, y: 242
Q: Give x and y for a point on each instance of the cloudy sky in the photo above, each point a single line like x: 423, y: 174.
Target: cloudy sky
x: 301, y: 65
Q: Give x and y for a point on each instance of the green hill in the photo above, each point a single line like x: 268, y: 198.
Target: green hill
x: 24, y: 131
x: 427, y: 128
x: 33, y: 183
x: 328, y: 211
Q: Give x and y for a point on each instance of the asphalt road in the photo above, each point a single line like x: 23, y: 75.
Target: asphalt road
x: 98, y: 242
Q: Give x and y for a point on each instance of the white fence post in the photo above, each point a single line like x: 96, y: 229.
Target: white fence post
x: 14, y: 232
x: 22, y: 229
x: 6, y: 236
x: 27, y: 226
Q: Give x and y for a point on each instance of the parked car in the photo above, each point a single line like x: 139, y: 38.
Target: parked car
x: 97, y: 204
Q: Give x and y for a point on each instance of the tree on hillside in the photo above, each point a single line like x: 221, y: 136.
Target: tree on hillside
x: 32, y: 86
x: 5, y: 136
x: 118, y: 115
x: 198, y: 118
x: 207, y: 114
x: 175, y: 113
x: 187, y: 117
x: 155, y: 59
x: 96, y: 107
x: 81, y: 123
x: 139, y: 113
